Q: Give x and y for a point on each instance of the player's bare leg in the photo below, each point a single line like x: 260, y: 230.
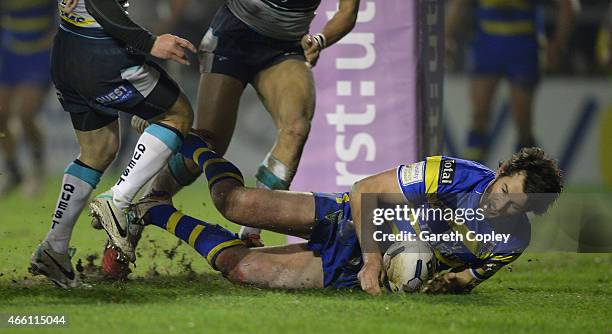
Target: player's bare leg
x: 31, y: 99
x: 285, y: 212
x: 97, y: 150
x: 290, y: 213
x: 155, y: 146
x: 482, y: 92
x: 218, y: 101
x: 289, y: 267
x: 288, y: 93
x: 12, y: 176
x: 281, y: 267
x: 522, y: 106
x: 217, y: 110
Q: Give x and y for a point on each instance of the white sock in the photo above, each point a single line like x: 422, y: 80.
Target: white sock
x: 78, y: 183
x: 152, y: 152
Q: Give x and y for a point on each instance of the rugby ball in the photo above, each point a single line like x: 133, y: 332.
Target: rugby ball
x: 408, y: 265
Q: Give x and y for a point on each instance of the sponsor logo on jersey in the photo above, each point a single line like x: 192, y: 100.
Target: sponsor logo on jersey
x: 120, y: 94
x: 76, y: 19
x: 447, y: 171
x: 412, y: 173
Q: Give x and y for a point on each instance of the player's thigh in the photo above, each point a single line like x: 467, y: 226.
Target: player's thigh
x: 218, y: 101
x: 280, y: 267
x: 287, y: 90
x: 179, y: 115
x: 99, y: 146
x: 291, y: 213
x: 151, y: 94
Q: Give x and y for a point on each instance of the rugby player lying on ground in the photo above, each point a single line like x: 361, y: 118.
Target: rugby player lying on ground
x: 331, y: 223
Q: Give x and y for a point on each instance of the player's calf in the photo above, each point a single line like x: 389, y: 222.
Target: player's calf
x: 278, y: 169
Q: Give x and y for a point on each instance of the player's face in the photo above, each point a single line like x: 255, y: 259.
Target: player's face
x: 505, y: 196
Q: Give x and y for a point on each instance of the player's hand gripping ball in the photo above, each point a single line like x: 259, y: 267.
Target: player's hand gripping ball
x: 408, y: 265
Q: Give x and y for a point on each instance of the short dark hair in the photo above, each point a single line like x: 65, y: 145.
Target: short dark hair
x: 543, y: 177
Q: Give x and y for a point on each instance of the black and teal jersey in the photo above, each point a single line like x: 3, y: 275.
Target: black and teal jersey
x: 508, y: 17
x: 27, y: 26
x: 104, y: 19
x: 445, y: 183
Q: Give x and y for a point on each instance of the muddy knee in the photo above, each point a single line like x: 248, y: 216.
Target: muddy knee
x: 260, y: 273
x: 230, y: 200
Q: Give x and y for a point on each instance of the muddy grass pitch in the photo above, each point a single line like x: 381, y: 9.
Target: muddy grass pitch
x: 173, y: 290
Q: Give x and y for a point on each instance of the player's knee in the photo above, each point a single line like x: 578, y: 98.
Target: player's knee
x: 261, y: 273
x: 230, y: 200
x: 236, y: 269
x: 239, y: 274
x: 248, y: 272
x: 180, y: 116
x: 218, y: 142
x: 100, y: 156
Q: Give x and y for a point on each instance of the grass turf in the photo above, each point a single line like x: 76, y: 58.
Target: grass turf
x: 173, y: 290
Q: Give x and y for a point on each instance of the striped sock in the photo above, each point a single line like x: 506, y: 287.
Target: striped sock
x: 214, y: 166
x: 207, y: 239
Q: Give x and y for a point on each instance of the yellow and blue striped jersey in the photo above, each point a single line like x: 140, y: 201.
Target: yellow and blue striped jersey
x: 27, y: 26
x: 508, y: 17
x: 445, y: 183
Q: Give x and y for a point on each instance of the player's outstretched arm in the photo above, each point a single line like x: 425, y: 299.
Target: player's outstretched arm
x: 115, y: 21
x: 466, y: 280
x: 383, y: 183
x: 341, y: 24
